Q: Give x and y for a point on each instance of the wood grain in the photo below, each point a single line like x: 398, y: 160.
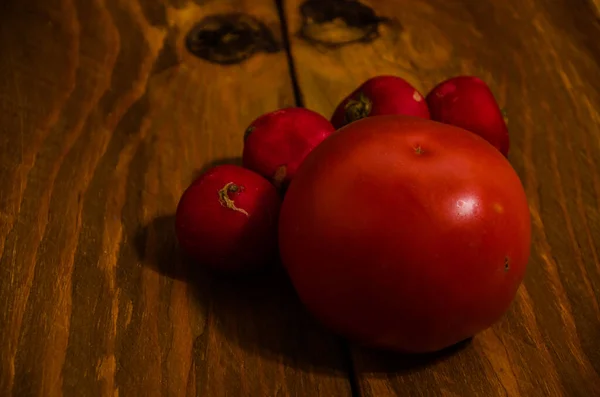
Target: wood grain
x: 542, y: 63
x: 106, y: 117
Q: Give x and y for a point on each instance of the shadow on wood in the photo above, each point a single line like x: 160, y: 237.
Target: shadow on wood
x: 384, y: 363
x: 259, y: 313
x: 156, y: 247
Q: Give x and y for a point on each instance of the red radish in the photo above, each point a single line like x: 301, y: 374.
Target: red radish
x: 277, y: 142
x: 379, y: 96
x: 468, y: 102
x: 227, y: 220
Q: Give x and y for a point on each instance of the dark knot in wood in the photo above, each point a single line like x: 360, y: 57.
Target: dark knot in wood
x: 231, y: 38
x: 335, y: 23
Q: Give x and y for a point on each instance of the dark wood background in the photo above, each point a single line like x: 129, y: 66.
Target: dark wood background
x: 105, y: 117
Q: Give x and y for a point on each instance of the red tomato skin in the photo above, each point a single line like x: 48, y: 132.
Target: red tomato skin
x: 224, y: 239
x: 388, y: 95
x: 283, y: 138
x: 468, y: 102
x: 405, y: 234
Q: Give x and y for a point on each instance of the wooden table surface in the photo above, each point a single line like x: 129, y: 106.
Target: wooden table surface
x: 106, y: 115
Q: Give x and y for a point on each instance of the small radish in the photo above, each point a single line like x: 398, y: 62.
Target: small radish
x: 468, y: 102
x: 227, y: 220
x: 378, y: 96
x: 276, y: 143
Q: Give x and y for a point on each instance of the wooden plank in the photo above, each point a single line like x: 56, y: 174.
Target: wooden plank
x: 541, y: 63
x: 106, y: 117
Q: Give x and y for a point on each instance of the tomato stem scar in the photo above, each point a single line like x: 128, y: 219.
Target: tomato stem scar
x: 358, y: 108
x: 419, y: 149
x: 504, y: 115
x: 228, y: 202
x: 279, y: 176
x: 248, y: 132
x: 506, y: 263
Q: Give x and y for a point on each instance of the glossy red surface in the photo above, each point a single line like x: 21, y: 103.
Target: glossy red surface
x: 388, y: 95
x: 405, y: 234
x: 467, y: 102
x: 277, y: 142
x: 229, y: 239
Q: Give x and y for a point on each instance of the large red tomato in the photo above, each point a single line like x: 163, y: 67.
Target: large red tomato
x: 405, y: 234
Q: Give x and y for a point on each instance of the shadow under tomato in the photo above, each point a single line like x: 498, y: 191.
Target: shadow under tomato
x: 259, y: 312
x: 156, y: 247
x: 378, y: 362
x: 262, y: 314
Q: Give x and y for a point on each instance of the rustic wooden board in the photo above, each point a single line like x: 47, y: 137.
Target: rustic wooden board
x: 105, y: 118
x: 542, y: 63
